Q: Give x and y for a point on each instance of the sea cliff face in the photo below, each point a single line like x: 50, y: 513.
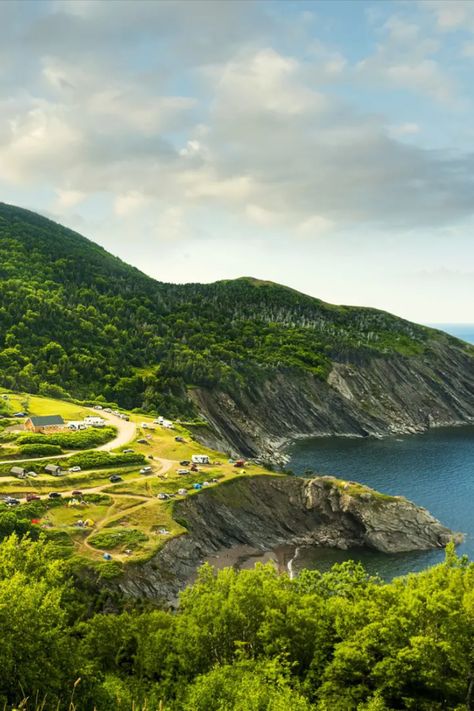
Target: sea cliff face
x: 267, y: 511
x: 375, y: 396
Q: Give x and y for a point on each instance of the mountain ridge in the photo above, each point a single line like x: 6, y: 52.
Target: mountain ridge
x: 77, y: 321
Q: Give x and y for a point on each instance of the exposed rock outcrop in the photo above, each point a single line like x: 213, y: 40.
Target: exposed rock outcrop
x: 267, y: 511
x: 374, y: 396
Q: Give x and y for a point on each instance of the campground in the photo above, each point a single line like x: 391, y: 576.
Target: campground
x: 126, y: 520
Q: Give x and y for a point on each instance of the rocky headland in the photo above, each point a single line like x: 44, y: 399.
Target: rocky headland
x: 267, y: 511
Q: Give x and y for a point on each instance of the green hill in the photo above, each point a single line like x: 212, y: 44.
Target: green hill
x: 74, y: 320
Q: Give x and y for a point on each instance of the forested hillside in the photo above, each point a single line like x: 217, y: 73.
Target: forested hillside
x: 76, y: 321
x: 254, y: 640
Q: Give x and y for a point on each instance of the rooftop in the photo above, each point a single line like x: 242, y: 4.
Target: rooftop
x: 46, y: 420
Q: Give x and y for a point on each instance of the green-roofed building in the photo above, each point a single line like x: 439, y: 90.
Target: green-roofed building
x: 45, y: 423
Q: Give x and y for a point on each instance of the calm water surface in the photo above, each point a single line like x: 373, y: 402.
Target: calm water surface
x: 435, y: 470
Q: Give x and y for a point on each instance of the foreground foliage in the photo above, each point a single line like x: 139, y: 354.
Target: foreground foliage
x: 250, y: 640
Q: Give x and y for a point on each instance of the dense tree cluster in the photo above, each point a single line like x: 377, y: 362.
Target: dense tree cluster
x: 250, y: 640
x: 75, y: 320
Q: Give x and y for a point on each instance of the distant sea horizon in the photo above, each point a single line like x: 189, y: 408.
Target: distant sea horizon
x: 465, y: 331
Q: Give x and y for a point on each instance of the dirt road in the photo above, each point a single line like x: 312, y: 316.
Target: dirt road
x: 125, y: 433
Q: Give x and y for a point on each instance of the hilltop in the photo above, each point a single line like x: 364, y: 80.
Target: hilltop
x: 260, y: 361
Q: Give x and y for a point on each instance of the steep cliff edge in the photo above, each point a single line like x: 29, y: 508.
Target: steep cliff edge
x: 378, y: 395
x: 267, y: 511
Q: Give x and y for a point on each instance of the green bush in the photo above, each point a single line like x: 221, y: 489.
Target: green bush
x: 94, y: 460
x: 40, y: 450
x: 16, y: 522
x: 83, y: 439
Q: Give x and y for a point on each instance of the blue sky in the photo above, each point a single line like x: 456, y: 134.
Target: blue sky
x: 325, y: 145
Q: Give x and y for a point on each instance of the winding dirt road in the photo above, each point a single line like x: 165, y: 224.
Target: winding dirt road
x: 125, y: 433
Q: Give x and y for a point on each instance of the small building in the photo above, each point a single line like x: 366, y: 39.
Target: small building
x: 53, y: 469
x: 45, y: 423
x: 20, y: 472
x: 200, y: 459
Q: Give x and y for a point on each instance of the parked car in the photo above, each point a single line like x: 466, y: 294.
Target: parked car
x: 142, y: 441
x: 179, y: 439
x: 32, y: 497
x: 146, y: 470
x: 74, y: 469
x: 182, y: 492
x: 33, y: 474
x: 76, y: 492
x: 185, y: 463
x: 162, y: 497
x: 97, y: 407
x: 19, y: 414
x: 54, y: 495
x: 11, y: 501
x: 183, y: 471
x: 128, y: 451
x: 114, y: 478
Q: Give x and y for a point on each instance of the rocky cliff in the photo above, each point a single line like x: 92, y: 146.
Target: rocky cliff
x: 267, y: 511
x: 377, y: 395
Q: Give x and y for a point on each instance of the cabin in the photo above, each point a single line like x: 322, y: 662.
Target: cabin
x: 53, y: 469
x: 200, y: 459
x: 20, y: 472
x: 45, y: 423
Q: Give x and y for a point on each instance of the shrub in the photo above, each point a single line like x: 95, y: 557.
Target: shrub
x: 32, y: 450
x: 95, y: 460
x: 83, y: 439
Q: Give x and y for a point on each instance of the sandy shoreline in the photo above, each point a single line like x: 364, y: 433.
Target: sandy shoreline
x: 245, y: 557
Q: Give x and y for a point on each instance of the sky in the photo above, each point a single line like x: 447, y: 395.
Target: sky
x: 326, y: 145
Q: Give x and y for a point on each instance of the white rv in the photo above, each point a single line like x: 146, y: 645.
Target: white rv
x: 200, y: 459
x: 94, y: 421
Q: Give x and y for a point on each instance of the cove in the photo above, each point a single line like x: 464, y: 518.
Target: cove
x: 435, y: 470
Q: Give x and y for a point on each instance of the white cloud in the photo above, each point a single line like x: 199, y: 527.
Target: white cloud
x: 230, y: 122
x: 67, y: 198
x: 404, y: 129
x: 315, y: 226
x: 451, y: 14
x: 260, y: 216
x: 404, y: 60
x: 129, y: 203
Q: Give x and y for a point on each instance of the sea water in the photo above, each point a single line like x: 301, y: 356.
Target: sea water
x: 435, y: 470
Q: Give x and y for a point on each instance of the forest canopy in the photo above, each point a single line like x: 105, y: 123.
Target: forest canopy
x: 76, y: 321
x: 251, y: 640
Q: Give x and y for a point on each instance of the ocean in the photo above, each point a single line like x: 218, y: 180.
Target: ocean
x: 435, y: 470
